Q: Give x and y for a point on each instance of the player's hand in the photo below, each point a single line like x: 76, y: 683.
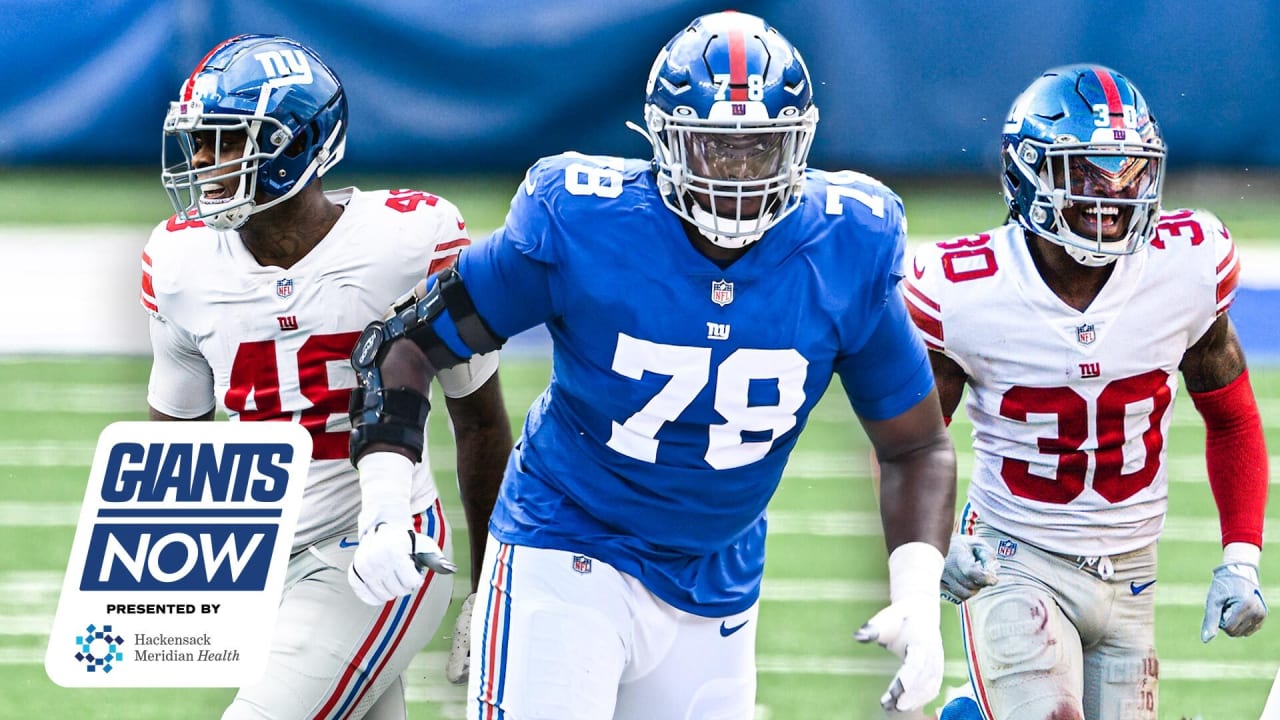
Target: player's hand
x: 971, y: 565
x: 392, y: 561
x: 909, y: 628
x: 1235, y: 602
x: 458, y: 666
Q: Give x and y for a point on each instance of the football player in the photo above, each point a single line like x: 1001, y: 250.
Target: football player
x: 700, y: 303
x: 1070, y: 325
x: 257, y: 289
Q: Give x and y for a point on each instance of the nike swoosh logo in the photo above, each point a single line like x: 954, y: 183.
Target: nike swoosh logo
x: 344, y: 544
x: 1136, y: 588
x: 727, y: 631
x: 529, y: 184
x: 915, y: 267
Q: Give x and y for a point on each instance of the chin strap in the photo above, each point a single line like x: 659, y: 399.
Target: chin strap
x: 1088, y: 259
x: 705, y: 220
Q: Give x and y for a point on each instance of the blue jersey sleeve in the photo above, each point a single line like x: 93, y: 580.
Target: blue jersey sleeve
x: 891, y: 373
x: 508, y: 273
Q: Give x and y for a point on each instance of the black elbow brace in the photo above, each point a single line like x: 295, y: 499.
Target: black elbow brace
x: 397, y: 416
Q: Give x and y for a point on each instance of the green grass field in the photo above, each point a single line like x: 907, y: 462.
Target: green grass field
x: 824, y: 578
x: 825, y: 574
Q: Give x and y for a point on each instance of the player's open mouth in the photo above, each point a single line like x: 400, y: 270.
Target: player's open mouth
x: 214, y: 194
x: 1107, y: 216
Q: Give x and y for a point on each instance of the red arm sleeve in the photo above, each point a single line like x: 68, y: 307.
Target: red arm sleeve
x: 1236, y: 452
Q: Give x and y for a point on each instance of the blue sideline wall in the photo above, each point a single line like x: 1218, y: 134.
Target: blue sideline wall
x: 483, y: 85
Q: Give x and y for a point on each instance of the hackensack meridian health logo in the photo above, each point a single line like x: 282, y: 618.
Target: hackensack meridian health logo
x: 180, y: 555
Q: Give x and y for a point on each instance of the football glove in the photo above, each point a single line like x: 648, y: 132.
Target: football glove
x: 458, y: 666
x: 911, y: 627
x: 971, y: 565
x: 1235, y: 602
x: 391, y: 562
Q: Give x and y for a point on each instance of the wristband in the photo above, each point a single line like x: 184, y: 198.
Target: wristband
x: 386, y: 482
x: 915, y: 569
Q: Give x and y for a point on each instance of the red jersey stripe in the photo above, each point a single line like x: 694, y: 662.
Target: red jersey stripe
x: 1227, y: 285
x: 930, y: 326
x: 1231, y: 256
x: 922, y: 297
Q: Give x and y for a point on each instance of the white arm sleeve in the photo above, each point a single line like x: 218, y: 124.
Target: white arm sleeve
x: 462, y: 380
x: 181, y: 382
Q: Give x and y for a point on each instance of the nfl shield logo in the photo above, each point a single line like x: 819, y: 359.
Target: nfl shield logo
x: 1085, y: 334
x: 721, y: 292
x: 284, y: 288
x: 581, y: 564
x: 1007, y: 548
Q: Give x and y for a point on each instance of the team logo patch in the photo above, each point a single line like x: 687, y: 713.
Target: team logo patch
x: 1007, y: 548
x: 581, y: 564
x: 721, y: 292
x: 284, y: 287
x: 184, y: 537
x: 1085, y: 334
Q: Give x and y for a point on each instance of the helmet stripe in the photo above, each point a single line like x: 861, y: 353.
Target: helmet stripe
x: 189, y: 85
x: 737, y: 65
x: 1114, y: 107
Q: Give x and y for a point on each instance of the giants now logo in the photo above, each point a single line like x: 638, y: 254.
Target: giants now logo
x: 186, y: 529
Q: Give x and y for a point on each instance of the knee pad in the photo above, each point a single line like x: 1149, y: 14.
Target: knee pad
x: 1020, y: 635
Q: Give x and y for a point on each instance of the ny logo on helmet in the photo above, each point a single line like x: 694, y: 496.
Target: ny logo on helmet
x: 290, y: 65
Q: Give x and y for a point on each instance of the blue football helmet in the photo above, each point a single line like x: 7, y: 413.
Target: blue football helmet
x: 286, y: 102
x: 1081, y: 148
x: 729, y: 111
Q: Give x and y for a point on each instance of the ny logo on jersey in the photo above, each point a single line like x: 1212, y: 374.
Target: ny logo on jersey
x: 1085, y: 334
x: 284, y: 287
x: 1090, y: 370
x: 717, y: 331
x: 721, y: 292
x: 285, y: 67
x: 288, y: 322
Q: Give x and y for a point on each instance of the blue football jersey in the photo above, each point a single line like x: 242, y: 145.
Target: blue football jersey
x: 679, y: 387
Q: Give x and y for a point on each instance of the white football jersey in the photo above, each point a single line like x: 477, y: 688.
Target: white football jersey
x: 265, y: 343
x: 1071, y: 410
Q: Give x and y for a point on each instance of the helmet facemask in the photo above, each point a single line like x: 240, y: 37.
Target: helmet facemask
x: 731, y: 179
x: 193, y: 190
x: 1099, y: 201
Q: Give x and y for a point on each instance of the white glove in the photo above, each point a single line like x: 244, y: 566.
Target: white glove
x: 971, y: 565
x: 1235, y: 601
x: 458, y: 666
x: 911, y: 626
x: 392, y: 561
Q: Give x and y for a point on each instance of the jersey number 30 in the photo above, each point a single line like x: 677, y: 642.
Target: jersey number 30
x: 1149, y: 389
x: 690, y: 370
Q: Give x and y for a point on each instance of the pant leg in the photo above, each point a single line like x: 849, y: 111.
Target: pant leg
x: 550, y: 636
x: 334, y: 656
x: 687, y: 667
x: 1024, y: 654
